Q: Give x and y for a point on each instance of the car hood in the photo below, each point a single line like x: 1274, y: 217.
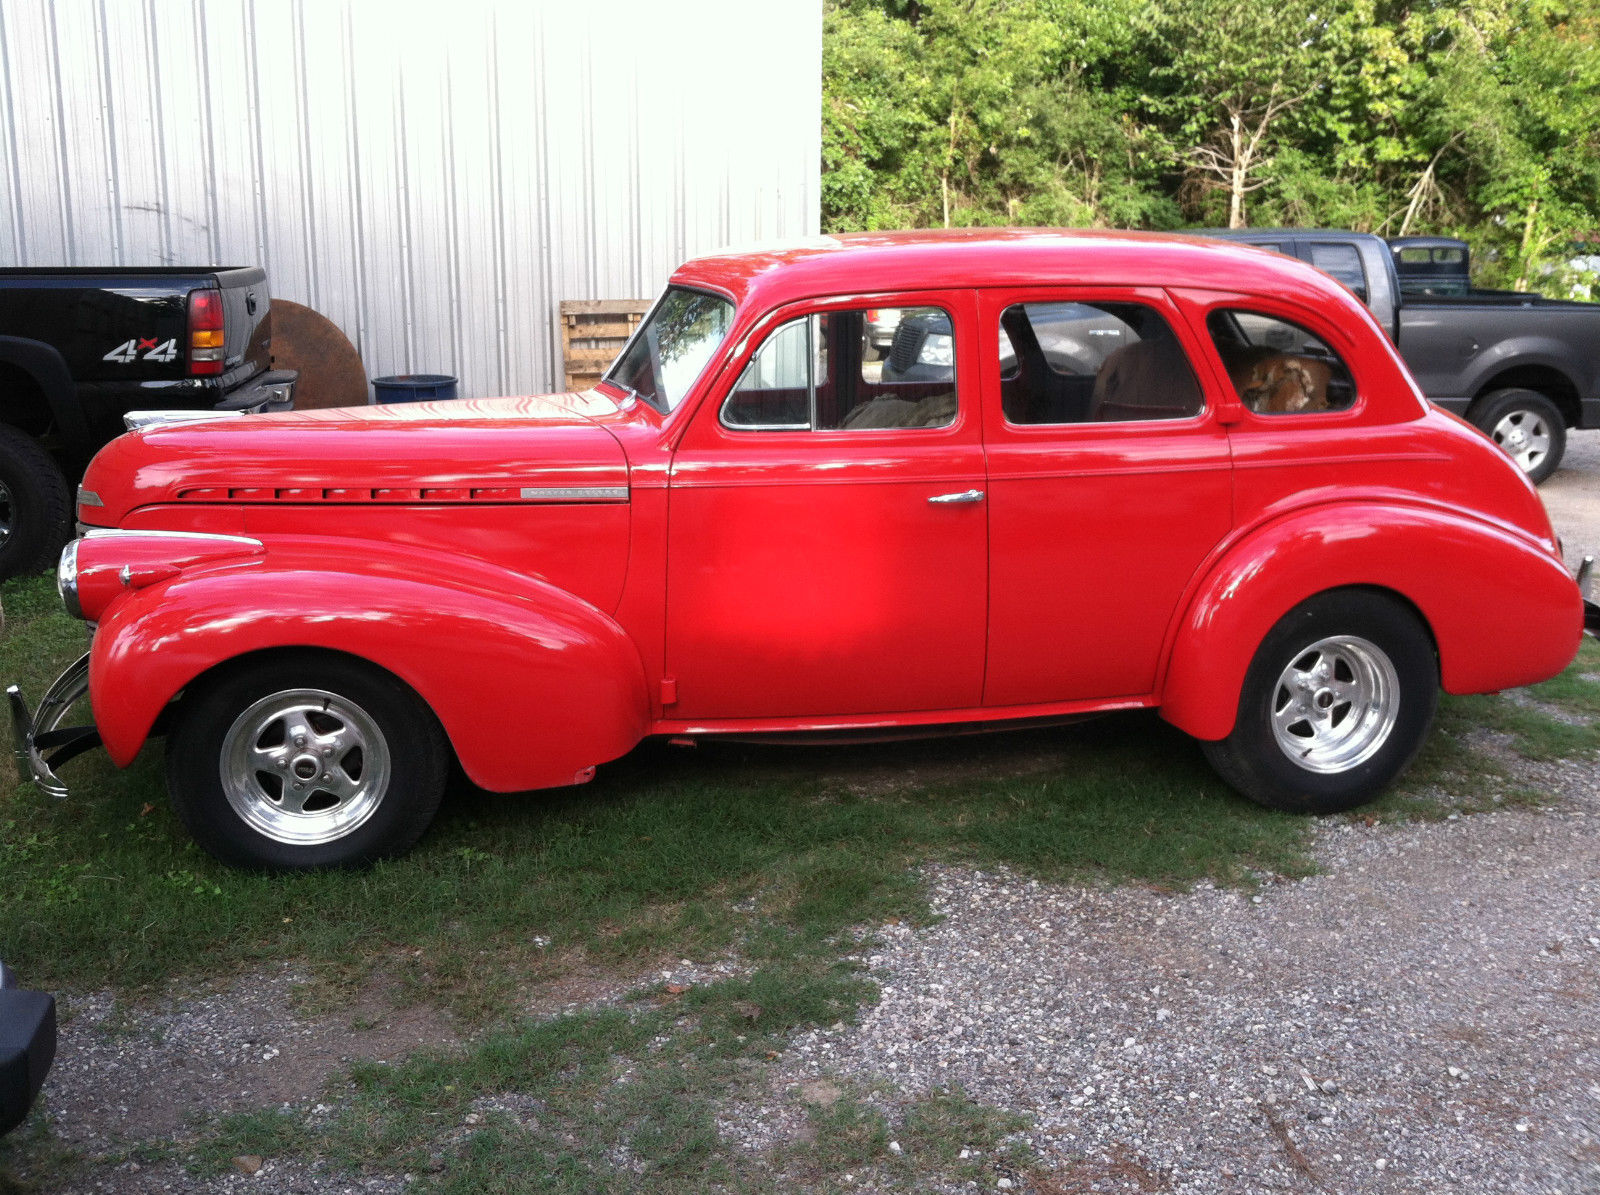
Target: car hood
x: 545, y: 448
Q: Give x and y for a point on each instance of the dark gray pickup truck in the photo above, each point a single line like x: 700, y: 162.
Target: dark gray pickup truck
x: 1520, y: 367
x: 80, y: 348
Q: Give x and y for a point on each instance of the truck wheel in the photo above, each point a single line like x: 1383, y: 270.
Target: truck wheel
x: 1527, y: 425
x: 1335, y: 705
x: 305, y: 762
x: 35, y: 505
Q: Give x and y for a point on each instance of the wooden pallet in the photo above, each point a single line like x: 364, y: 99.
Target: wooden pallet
x: 593, y: 332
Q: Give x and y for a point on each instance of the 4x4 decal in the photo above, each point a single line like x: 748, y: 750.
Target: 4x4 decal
x: 128, y: 351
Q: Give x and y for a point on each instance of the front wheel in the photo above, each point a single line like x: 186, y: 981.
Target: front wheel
x: 1527, y: 426
x: 305, y: 762
x: 1335, y: 705
x: 35, y: 505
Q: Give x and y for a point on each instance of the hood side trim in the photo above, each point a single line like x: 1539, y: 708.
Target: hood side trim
x: 575, y: 493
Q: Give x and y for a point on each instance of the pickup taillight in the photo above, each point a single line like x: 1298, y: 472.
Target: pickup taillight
x: 206, y: 332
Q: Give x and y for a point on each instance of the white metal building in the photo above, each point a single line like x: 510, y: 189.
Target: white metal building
x: 433, y: 176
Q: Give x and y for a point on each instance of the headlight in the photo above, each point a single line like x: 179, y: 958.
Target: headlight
x: 938, y: 349
x: 67, y: 579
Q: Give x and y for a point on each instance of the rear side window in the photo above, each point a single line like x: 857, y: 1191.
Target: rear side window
x: 1344, y: 263
x: 824, y: 372
x: 1092, y: 363
x: 1277, y: 367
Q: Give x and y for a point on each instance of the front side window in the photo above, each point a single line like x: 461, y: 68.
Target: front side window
x: 823, y: 372
x: 1277, y: 367
x: 665, y: 356
x: 1092, y: 363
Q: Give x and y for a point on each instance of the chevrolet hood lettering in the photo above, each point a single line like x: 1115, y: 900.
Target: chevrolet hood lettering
x: 548, y: 449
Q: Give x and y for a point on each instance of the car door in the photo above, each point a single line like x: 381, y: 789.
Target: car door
x: 1109, y: 483
x: 827, y: 538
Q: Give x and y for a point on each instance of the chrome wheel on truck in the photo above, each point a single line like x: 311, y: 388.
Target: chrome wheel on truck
x: 305, y: 759
x: 1527, y: 426
x: 1335, y: 704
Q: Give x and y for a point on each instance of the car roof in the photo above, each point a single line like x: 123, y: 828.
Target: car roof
x: 882, y: 262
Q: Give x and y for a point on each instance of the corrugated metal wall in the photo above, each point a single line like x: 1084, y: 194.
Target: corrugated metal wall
x: 434, y: 177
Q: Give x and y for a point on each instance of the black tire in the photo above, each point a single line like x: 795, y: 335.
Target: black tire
x: 35, y: 505
x: 403, y: 793
x: 1252, y: 760
x: 1505, y: 416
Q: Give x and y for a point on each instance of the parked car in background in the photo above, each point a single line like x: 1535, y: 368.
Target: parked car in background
x: 881, y: 325
x: 27, y: 1047
x: 79, y: 348
x: 1244, y: 517
x: 1522, y: 368
x: 1073, y: 338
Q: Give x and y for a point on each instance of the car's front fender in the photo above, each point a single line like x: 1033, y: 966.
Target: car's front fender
x: 532, y: 685
x: 1502, y: 610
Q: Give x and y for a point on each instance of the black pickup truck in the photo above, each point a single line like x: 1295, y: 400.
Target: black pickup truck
x: 1521, y: 367
x: 80, y: 348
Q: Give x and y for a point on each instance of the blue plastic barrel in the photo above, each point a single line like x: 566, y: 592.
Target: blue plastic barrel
x: 413, y: 387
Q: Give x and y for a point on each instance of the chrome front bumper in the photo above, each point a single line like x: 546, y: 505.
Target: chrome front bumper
x: 42, y: 744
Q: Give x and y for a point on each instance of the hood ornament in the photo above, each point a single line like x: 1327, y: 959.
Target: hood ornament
x: 136, y: 421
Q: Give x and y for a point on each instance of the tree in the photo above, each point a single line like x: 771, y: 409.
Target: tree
x: 1225, y: 74
x: 1478, y: 119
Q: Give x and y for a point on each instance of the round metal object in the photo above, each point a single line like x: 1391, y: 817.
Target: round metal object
x: 1524, y: 436
x: 305, y: 766
x: 7, y: 515
x: 1335, y: 704
x: 331, y: 373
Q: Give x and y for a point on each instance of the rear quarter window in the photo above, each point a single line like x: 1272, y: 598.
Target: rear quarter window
x: 1278, y: 367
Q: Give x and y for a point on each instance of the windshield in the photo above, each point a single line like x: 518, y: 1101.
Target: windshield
x: 666, y: 356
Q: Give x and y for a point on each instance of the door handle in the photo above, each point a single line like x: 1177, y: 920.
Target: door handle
x: 960, y: 498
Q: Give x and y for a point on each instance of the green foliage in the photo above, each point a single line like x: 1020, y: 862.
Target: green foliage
x: 1478, y: 120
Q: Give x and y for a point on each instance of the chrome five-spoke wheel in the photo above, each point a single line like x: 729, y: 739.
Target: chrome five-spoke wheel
x: 1335, y: 704
x: 305, y: 759
x: 305, y: 766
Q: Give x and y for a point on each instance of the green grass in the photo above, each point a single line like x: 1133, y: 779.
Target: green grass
x: 668, y: 851
x: 627, y: 1099
x: 772, y: 854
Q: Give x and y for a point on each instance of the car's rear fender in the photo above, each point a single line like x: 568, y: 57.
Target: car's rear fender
x: 1502, y: 610
x: 532, y: 686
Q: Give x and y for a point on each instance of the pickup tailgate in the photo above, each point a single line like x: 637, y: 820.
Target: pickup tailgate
x: 247, y: 311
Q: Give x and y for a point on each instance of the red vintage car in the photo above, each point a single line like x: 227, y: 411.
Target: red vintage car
x: 1095, y: 472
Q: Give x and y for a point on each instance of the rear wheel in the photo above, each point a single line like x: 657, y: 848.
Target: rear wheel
x: 1527, y: 426
x: 305, y: 762
x: 1335, y: 705
x: 35, y: 505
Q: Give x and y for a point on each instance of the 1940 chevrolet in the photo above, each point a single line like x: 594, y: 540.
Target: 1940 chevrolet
x: 1095, y: 472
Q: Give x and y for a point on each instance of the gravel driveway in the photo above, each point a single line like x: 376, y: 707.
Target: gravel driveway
x: 1573, y: 496
x: 1425, y: 1016
x: 1422, y: 1016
